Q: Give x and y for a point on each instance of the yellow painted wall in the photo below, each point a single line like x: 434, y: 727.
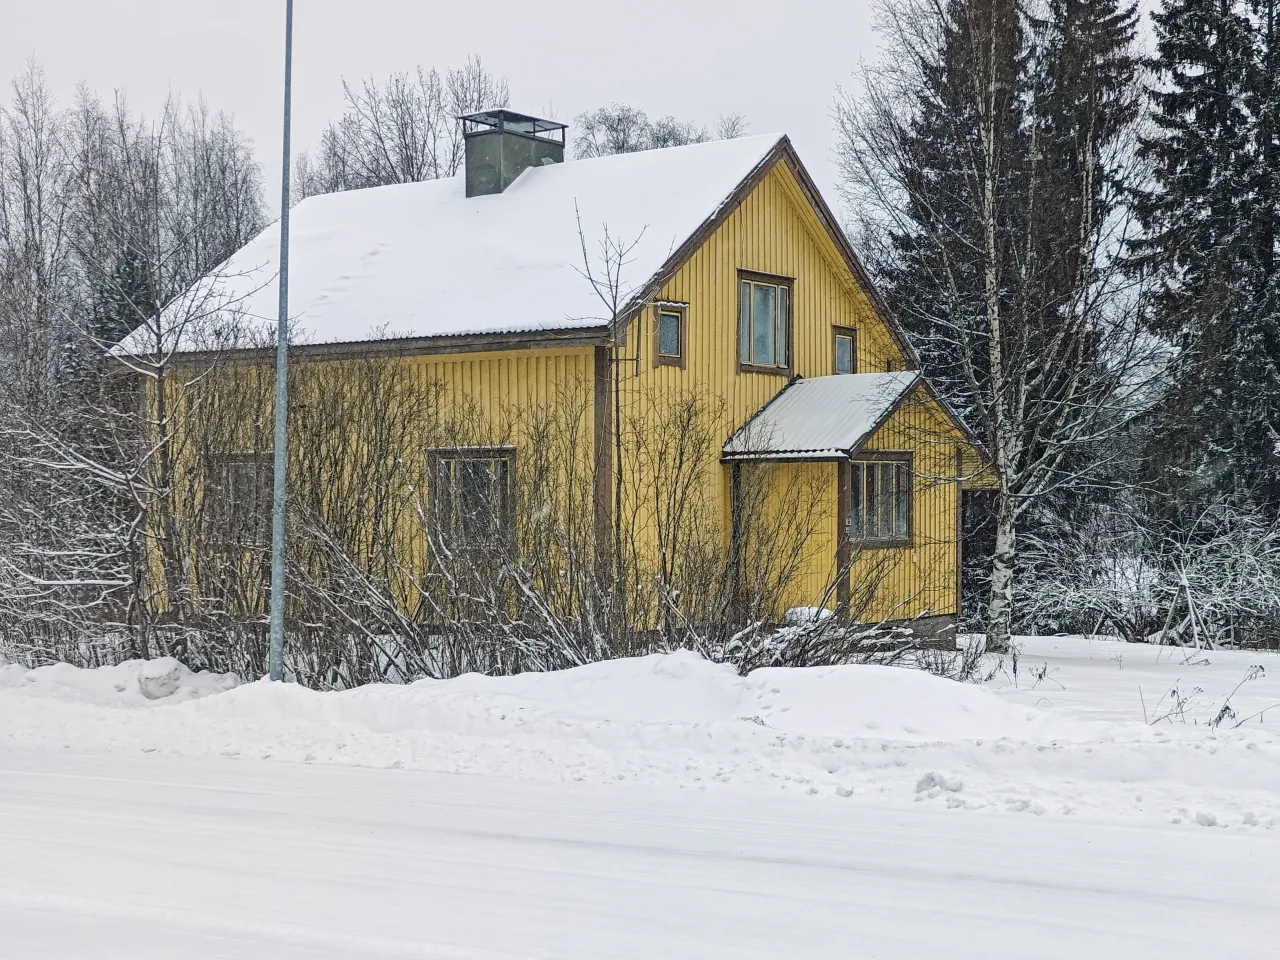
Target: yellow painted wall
x: 501, y: 387
x: 471, y: 399
x: 923, y: 577
x: 775, y: 231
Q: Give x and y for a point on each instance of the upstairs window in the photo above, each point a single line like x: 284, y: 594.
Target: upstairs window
x: 237, y: 500
x: 880, y: 501
x: 472, y: 493
x: 764, y: 323
x: 845, y: 349
x: 669, y: 334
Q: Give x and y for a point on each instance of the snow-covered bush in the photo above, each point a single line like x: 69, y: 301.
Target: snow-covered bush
x: 1214, y: 581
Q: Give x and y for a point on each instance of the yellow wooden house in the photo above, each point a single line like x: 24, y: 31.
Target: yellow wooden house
x: 695, y: 315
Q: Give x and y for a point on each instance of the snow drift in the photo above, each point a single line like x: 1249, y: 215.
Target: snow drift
x: 1068, y: 737
x: 136, y: 683
x: 680, y: 688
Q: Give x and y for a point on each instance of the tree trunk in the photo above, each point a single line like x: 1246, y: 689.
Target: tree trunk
x: 1000, y: 604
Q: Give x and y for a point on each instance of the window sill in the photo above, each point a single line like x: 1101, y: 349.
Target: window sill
x: 882, y: 544
x: 772, y: 371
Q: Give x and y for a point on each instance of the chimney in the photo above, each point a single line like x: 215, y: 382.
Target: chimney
x: 500, y: 145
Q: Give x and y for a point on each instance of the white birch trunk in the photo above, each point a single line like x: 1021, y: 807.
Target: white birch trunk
x: 1003, y: 561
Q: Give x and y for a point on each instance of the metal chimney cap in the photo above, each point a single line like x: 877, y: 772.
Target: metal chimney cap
x: 509, y: 121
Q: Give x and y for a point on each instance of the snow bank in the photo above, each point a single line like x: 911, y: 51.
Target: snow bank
x: 134, y: 683
x: 662, y: 689
x: 850, y: 701
x: 1068, y: 738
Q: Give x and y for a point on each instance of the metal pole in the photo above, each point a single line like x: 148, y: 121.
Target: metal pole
x: 282, y: 380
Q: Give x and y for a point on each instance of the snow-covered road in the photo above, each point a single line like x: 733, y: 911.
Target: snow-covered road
x: 147, y: 856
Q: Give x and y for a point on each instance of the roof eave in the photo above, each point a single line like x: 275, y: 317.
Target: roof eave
x: 838, y: 237
x: 555, y: 339
x: 832, y: 453
x: 788, y: 456
x: 694, y: 242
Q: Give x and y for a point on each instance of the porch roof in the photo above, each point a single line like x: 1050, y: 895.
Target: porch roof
x: 821, y: 418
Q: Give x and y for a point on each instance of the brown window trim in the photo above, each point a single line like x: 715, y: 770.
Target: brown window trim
x: 891, y: 456
x: 777, y: 281
x: 852, y: 334
x: 505, y: 452
x: 682, y: 311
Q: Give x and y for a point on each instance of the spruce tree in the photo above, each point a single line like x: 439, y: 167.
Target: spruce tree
x: 1083, y: 97
x: 124, y: 299
x: 933, y: 279
x: 1006, y: 159
x: 1211, y: 218
x: 1257, y: 400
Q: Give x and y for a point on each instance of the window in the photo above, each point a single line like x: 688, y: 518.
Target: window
x: 472, y: 499
x: 880, y: 500
x: 764, y: 323
x: 238, y: 499
x: 846, y: 349
x: 668, y: 334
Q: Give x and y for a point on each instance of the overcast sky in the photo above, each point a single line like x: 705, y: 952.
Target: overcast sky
x: 778, y: 64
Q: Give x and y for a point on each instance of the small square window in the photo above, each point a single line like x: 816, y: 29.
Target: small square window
x: 668, y: 335
x: 846, y: 350
x: 473, y: 498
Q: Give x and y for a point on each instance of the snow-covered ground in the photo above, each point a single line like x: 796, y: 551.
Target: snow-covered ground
x: 1068, y: 738
x: 662, y: 804
x: 136, y: 857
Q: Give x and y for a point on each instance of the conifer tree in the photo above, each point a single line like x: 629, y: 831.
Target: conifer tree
x: 993, y: 146
x: 123, y: 301
x: 1211, y: 217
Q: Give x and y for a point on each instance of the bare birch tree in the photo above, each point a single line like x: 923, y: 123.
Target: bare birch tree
x: 121, y: 218
x: 986, y: 160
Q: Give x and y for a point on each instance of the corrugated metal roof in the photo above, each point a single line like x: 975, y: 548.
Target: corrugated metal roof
x: 820, y: 417
x: 425, y: 260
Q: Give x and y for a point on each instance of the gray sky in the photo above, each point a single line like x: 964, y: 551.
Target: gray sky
x: 778, y: 64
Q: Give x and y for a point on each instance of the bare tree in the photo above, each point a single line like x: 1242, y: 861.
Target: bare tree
x: 401, y: 130
x: 621, y: 128
x: 57, y: 550
x: 989, y: 153
x: 731, y: 126
x: 144, y: 211
x: 36, y: 267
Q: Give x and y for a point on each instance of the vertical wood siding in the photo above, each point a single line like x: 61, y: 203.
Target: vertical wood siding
x: 499, y: 387
x: 922, y: 580
x: 775, y: 231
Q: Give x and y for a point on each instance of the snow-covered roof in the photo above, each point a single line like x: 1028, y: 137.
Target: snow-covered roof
x: 820, y: 417
x: 424, y: 260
